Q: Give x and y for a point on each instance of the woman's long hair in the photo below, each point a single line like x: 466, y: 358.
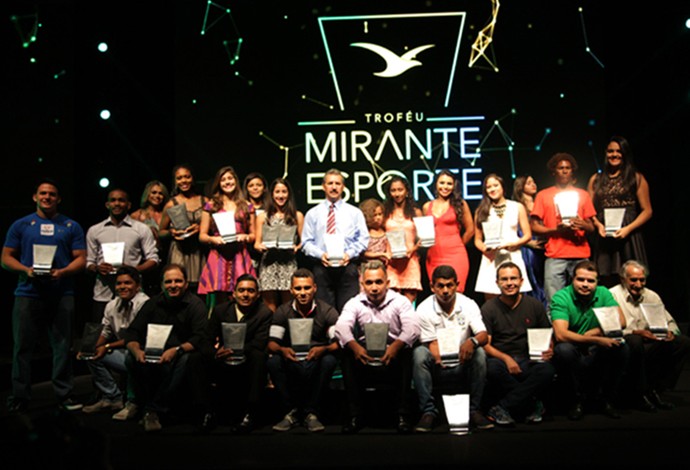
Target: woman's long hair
x: 484, y: 206
x: 289, y: 210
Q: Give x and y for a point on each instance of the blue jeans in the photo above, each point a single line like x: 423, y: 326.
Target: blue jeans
x: 30, y: 318
x: 102, y: 377
x: 558, y: 273
x: 425, y: 372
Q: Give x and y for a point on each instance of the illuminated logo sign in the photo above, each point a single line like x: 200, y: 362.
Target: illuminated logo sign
x: 395, y: 65
x: 401, y: 125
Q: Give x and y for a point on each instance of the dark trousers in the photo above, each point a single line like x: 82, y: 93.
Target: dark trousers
x: 154, y: 385
x: 336, y: 285
x: 591, y: 371
x: 655, y: 365
x: 397, y: 375
x: 518, y: 390
x: 232, y: 390
x: 31, y: 319
x: 301, y: 384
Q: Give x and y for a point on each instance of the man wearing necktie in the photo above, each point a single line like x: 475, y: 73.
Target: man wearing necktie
x: 334, y: 236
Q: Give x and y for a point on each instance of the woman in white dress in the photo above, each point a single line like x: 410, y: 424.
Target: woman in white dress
x: 497, y: 220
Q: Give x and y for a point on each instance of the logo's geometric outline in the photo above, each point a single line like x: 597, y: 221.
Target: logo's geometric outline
x: 324, y: 19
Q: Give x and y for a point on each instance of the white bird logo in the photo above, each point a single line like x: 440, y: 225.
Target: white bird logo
x: 395, y: 65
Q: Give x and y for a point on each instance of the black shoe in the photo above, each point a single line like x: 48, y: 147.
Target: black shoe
x: 426, y: 423
x: 644, y: 404
x: 246, y: 425
x: 656, y: 400
x: 610, y: 411
x: 17, y: 406
x: 576, y: 412
x: 404, y: 426
x: 352, y: 426
x: 208, y: 423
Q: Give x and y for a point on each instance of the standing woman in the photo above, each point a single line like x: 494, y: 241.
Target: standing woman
x: 153, y: 200
x: 514, y: 231
x: 404, y: 274
x: 453, y: 225
x: 226, y: 261
x: 524, y: 191
x: 619, y: 185
x: 255, y: 189
x: 185, y: 248
x: 151, y: 207
x: 276, y: 266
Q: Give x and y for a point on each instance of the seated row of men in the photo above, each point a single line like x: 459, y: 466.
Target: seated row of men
x: 491, y: 347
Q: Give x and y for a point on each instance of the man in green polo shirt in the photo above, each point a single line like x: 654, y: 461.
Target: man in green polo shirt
x: 590, y: 361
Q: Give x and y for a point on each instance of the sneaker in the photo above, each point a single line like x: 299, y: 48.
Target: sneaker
x: 151, y: 422
x: 500, y: 416
x: 128, y: 412
x: 312, y: 423
x: 536, y: 416
x: 68, y: 404
x: 103, y: 405
x: 479, y: 421
x: 426, y: 423
x: 288, y: 422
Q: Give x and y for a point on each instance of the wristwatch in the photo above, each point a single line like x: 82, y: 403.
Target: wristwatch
x: 179, y: 350
x: 474, y: 341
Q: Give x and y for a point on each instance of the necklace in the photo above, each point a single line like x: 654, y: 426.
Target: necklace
x: 500, y: 209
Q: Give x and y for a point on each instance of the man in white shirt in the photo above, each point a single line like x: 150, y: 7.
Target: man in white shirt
x: 655, y: 361
x: 334, y: 224
x: 447, y: 309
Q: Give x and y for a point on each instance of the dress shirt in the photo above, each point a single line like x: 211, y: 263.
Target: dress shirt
x: 466, y: 315
x: 395, y: 310
x: 114, y: 322
x: 140, y: 246
x: 349, y: 222
x: 634, y: 317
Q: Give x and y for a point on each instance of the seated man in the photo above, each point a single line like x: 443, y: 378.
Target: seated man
x: 301, y: 383
x: 239, y: 385
x: 655, y: 362
x: 587, y: 359
x: 156, y: 382
x: 377, y: 304
x: 507, y: 319
x: 448, y: 309
x: 110, y: 347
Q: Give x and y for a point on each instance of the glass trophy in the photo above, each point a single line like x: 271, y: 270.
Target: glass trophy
x: 286, y: 237
x: 376, y: 340
x: 538, y: 341
x: 300, y: 336
x: 457, y: 409
x: 610, y: 321
x: 269, y: 236
x: 87, y: 348
x: 613, y: 219
x: 425, y: 230
x: 492, y: 233
x: 449, y: 346
x: 396, y: 240
x: 113, y: 254
x: 156, y: 337
x: 225, y: 222
x: 179, y: 218
x: 43, y: 259
x: 566, y: 203
x: 234, y: 335
x: 655, y: 314
x: 335, y: 247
